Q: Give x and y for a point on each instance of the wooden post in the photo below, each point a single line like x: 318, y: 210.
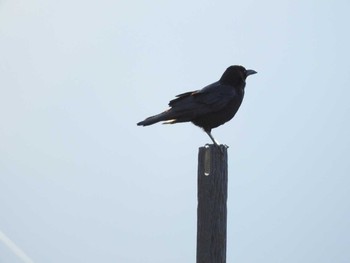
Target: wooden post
x: 212, y: 208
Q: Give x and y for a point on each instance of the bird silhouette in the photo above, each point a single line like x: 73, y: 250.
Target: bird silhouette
x: 210, y: 106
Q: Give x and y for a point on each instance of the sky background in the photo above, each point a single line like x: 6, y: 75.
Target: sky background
x: 80, y: 182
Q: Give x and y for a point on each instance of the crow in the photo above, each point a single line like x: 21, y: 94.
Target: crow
x: 209, y: 107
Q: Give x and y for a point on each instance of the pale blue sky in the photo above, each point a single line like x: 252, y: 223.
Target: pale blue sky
x: 80, y: 182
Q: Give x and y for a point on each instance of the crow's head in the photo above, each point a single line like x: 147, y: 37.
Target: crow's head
x: 235, y: 75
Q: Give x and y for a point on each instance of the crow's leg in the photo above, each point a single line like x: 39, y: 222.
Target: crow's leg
x: 212, y: 138
x: 214, y: 141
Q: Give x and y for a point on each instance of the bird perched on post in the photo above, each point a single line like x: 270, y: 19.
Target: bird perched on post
x: 209, y: 107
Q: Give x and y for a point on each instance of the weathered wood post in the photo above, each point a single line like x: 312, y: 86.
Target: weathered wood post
x: 212, y: 208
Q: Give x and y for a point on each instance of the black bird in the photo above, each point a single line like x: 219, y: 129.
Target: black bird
x: 209, y: 107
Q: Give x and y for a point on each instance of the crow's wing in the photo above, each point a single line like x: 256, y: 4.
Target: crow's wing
x: 181, y: 97
x: 211, y: 98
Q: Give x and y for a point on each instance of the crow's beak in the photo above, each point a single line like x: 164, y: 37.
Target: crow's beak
x: 251, y: 72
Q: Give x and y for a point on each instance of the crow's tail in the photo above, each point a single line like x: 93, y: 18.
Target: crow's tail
x: 164, y: 116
